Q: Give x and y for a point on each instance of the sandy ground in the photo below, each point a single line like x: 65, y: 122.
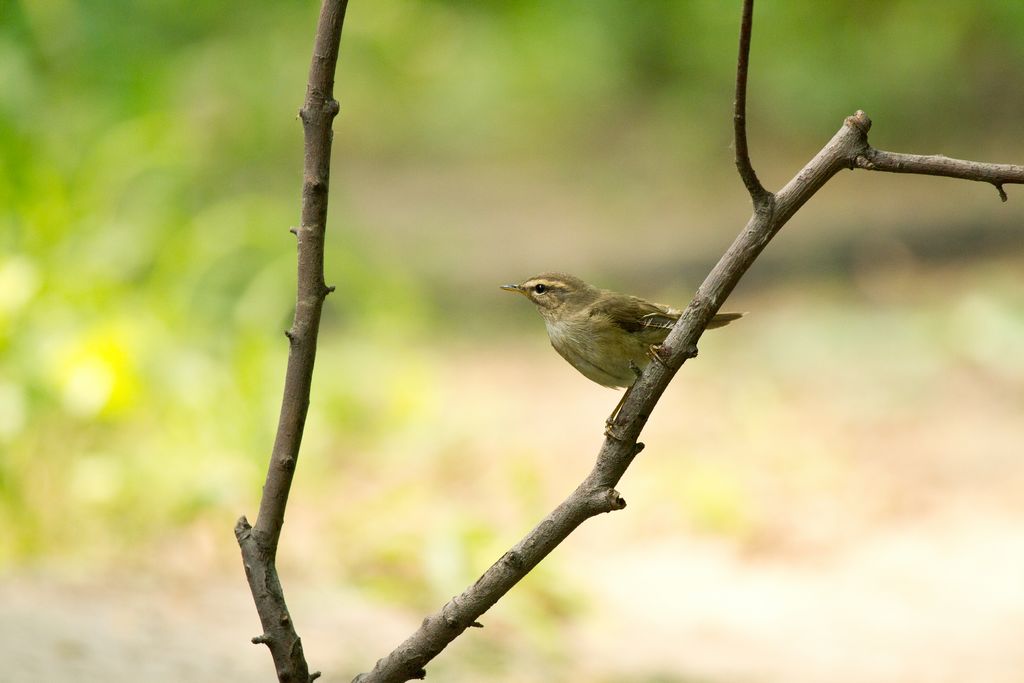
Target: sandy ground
x: 677, y: 610
x: 850, y: 513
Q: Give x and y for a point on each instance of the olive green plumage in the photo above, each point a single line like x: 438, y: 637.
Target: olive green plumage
x: 605, y: 335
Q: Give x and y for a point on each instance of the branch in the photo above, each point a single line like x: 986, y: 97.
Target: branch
x: 758, y: 194
x: 594, y: 496
x: 895, y: 162
x: 259, y: 543
x: 847, y: 149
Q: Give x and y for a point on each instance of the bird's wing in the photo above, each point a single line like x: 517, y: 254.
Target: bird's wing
x: 634, y: 314
x: 662, y: 317
x: 668, y: 319
x: 639, y: 315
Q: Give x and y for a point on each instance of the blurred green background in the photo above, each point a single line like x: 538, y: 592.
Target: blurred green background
x: 151, y: 167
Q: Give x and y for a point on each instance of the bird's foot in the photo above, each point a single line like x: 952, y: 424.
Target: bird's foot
x: 613, y: 420
x: 653, y: 351
x: 611, y: 423
x: 609, y: 430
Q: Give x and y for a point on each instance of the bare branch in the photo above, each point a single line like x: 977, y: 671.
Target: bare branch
x: 259, y: 543
x: 896, y: 162
x: 758, y: 194
x: 594, y: 496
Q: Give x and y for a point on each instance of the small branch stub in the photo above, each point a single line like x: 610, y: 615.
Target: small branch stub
x: 607, y: 500
x: 860, y: 121
x: 513, y: 559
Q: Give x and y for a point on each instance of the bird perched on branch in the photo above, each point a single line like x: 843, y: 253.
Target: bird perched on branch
x: 609, y: 337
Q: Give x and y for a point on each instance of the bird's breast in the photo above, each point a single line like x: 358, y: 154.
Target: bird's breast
x: 562, y: 333
x: 594, y: 357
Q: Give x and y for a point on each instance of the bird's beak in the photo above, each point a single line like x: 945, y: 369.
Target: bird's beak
x: 513, y: 288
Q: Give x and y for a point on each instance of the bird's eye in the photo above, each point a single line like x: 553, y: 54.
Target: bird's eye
x: 540, y: 289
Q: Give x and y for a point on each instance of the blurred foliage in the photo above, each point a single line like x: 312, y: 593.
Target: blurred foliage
x: 151, y: 167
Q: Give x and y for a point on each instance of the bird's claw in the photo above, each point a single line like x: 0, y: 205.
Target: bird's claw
x: 609, y: 430
x: 611, y: 423
x: 652, y: 352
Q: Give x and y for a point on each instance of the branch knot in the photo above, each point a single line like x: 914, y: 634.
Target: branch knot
x: 860, y: 121
x: 605, y: 499
x: 862, y: 161
x: 513, y: 559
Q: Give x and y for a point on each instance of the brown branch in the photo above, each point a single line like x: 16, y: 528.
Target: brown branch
x: 594, y: 496
x: 760, y: 196
x: 847, y: 149
x: 259, y: 543
x: 896, y: 162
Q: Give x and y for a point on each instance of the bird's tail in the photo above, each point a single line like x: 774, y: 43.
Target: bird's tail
x: 721, y: 319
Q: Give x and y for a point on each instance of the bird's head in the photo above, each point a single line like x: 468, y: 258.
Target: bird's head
x: 556, y: 294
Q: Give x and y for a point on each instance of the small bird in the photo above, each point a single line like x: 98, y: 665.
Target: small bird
x: 609, y: 337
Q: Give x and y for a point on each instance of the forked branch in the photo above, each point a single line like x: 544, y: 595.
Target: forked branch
x: 847, y: 149
x: 259, y: 543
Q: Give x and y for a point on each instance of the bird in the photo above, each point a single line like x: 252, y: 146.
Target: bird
x: 609, y: 337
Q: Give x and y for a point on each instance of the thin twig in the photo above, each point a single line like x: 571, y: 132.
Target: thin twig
x: 936, y: 164
x: 259, y: 543
x: 758, y: 194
